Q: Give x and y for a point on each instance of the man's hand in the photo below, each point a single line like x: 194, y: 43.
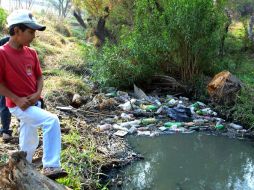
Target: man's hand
x: 33, y: 98
x: 22, y: 102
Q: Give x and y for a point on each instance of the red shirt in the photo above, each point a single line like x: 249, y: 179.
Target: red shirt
x: 19, y: 71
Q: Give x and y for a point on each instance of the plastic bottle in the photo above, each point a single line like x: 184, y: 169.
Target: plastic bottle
x: 170, y: 124
x: 118, y: 127
x: 132, y: 130
x: 235, y: 126
x: 148, y: 121
x: 149, y: 107
x: 111, y: 94
x: 126, y: 116
x: 172, y: 102
x: 104, y: 127
x: 199, y: 121
x: 130, y: 123
x: 127, y: 106
x: 219, y: 126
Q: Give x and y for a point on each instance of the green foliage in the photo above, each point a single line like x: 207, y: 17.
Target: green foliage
x: 244, y: 107
x: 195, y: 29
x: 3, y: 16
x: 178, y: 36
x: 113, y: 66
x: 81, y: 161
x: 4, y: 158
x: 62, y: 28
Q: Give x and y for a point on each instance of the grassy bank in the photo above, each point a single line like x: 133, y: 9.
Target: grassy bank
x: 61, y: 52
x: 238, y: 59
x: 64, y: 66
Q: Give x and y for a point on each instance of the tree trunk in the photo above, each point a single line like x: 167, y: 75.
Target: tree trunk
x: 250, y: 30
x: 77, y: 15
x: 222, y: 51
x: 18, y: 174
x: 101, y: 31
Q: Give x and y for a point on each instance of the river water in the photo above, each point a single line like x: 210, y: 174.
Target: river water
x: 190, y: 162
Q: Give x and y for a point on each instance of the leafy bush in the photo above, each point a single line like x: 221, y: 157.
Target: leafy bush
x: 62, y: 28
x: 3, y: 16
x: 244, y: 108
x: 114, y: 66
x: 177, y: 36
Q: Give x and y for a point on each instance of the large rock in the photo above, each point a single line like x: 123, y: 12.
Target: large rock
x: 224, y: 87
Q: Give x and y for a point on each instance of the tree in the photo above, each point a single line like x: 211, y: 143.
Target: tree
x: 106, y: 17
x: 62, y: 6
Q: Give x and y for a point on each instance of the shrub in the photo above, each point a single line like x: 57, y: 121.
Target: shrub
x: 62, y: 29
x: 177, y: 36
x: 114, y: 66
x: 3, y: 16
x: 244, y: 108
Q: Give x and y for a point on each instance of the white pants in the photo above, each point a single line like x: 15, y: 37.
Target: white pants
x: 32, y: 118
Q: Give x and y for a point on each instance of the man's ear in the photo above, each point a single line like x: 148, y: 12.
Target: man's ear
x: 16, y: 30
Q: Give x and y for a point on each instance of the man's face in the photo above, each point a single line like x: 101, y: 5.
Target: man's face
x: 26, y: 37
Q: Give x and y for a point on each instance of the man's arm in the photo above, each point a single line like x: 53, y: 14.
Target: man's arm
x: 33, y: 98
x: 21, y: 102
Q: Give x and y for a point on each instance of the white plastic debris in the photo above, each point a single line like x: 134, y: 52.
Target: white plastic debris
x: 163, y: 128
x: 121, y: 133
x: 126, y: 116
x: 201, y: 104
x: 159, y: 110
x: 139, y: 93
x: 132, y: 130
x: 127, y: 106
x: 235, y: 126
x: 144, y: 133
x: 172, y: 102
x: 199, y: 121
x: 118, y: 127
x: 154, y: 134
x: 130, y: 123
x: 104, y: 127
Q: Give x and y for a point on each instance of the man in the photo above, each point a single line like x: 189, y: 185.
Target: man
x: 5, y: 113
x: 21, y: 82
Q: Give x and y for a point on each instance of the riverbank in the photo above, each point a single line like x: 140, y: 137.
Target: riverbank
x: 95, y: 128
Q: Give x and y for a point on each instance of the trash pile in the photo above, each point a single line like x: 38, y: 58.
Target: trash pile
x: 142, y: 115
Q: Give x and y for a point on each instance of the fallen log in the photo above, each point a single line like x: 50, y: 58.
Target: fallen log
x: 18, y: 174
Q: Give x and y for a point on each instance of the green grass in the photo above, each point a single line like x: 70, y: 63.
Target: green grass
x: 239, y: 61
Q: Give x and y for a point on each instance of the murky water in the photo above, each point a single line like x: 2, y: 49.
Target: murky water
x: 191, y: 162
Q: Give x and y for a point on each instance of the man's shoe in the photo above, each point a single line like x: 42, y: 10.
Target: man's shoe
x: 54, y: 173
x: 6, y: 137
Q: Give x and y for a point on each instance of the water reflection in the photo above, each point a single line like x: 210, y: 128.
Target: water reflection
x: 193, y: 162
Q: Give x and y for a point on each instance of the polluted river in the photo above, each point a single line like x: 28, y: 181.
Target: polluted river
x: 190, y: 161
x: 164, y: 142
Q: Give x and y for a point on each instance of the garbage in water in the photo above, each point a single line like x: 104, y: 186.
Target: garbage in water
x: 235, y: 126
x: 180, y: 113
x: 121, y: 133
x: 145, y: 115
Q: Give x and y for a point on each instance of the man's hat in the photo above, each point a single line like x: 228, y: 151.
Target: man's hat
x: 24, y: 17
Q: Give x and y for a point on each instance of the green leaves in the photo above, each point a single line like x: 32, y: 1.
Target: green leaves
x: 181, y: 35
x: 3, y: 16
